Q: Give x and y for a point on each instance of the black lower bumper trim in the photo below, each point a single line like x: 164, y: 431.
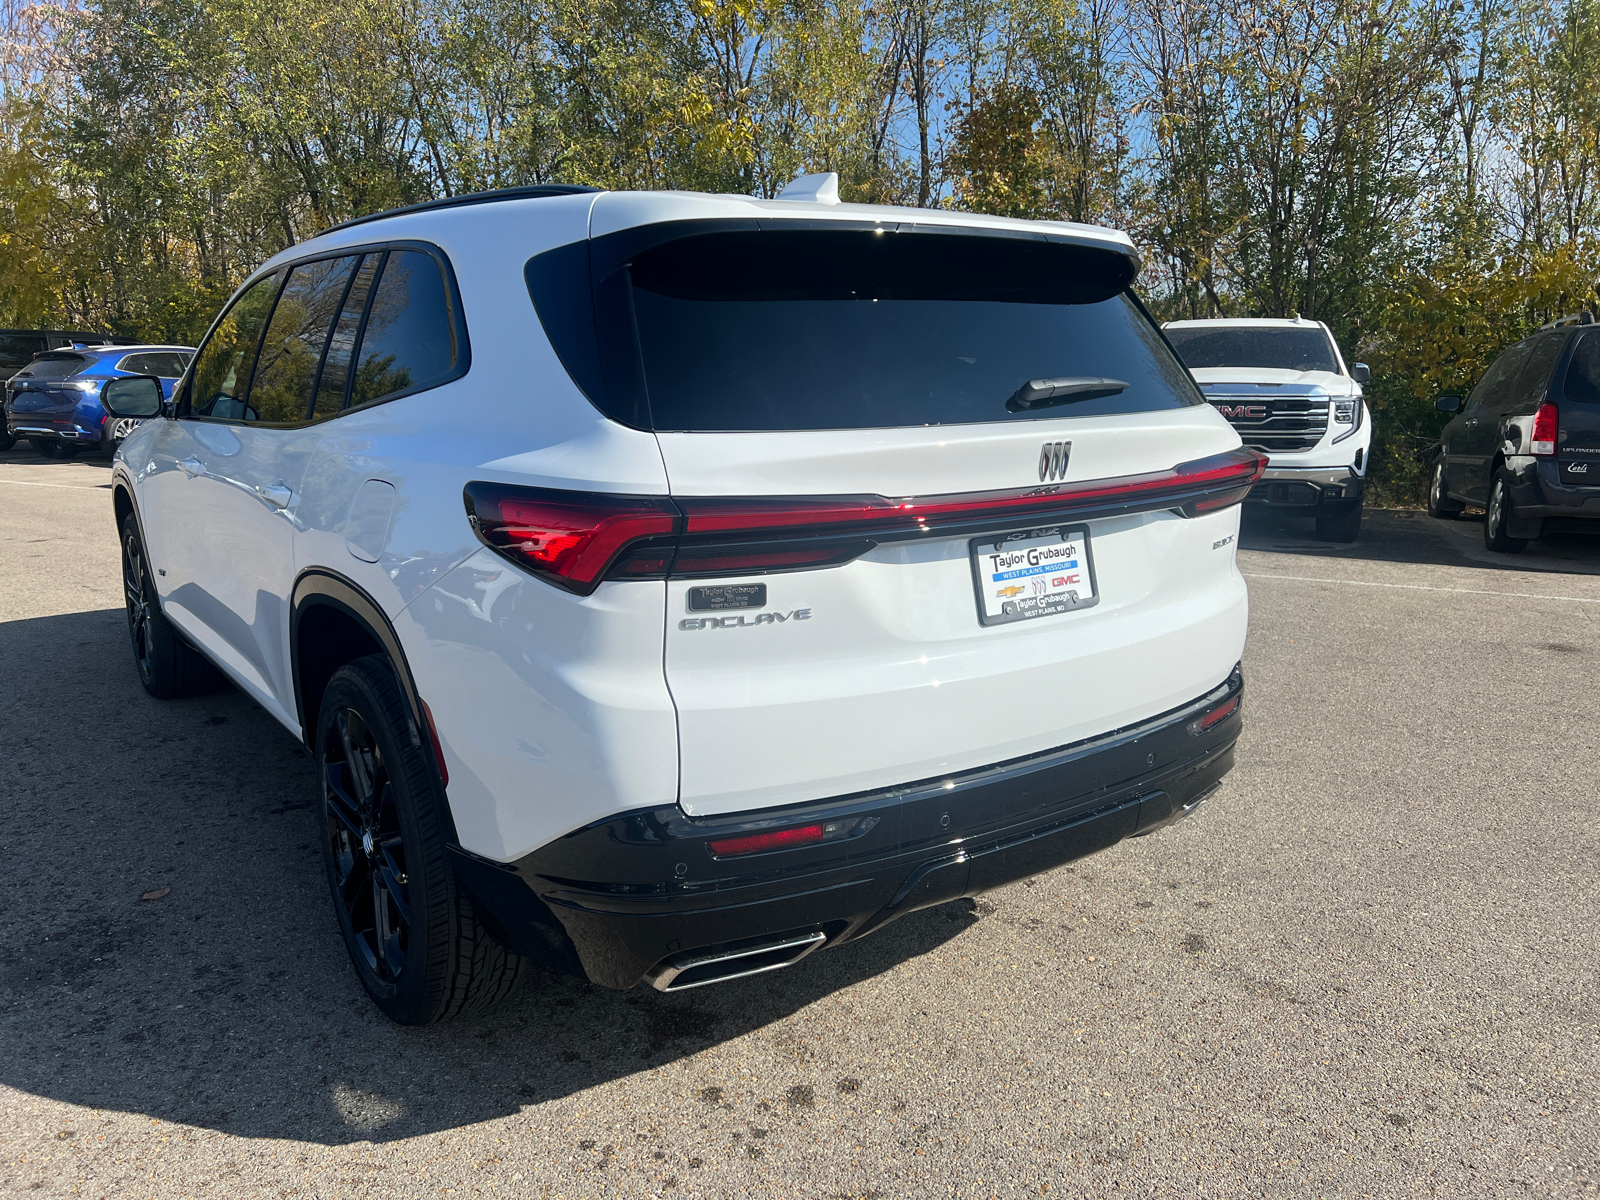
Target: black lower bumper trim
x: 628, y: 896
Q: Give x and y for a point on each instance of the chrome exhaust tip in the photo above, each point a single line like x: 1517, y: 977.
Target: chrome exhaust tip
x: 697, y: 968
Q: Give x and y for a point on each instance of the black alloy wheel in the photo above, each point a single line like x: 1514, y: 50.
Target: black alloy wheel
x: 414, y: 940
x: 140, y: 604
x: 1440, y: 505
x: 1496, y: 517
x: 168, y: 666
x: 369, y: 854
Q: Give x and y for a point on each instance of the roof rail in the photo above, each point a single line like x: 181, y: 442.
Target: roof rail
x: 529, y: 192
x: 1583, y: 318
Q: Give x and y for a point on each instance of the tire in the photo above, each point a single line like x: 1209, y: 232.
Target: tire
x: 168, y: 666
x: 6, y: 440
x: 1495, y: 517
x: 414, y: 940
x: 1346, y: 527
x: 1440, y: 506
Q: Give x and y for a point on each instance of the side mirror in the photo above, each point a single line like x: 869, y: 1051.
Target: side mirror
x: 1361, y: 373
x: 132, y: 396
x: 1449, y: 404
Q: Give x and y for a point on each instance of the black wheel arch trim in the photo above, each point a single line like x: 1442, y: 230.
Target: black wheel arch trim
x: 322, y: 587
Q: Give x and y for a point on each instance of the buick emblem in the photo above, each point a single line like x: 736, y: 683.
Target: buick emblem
x: 1053, y: 460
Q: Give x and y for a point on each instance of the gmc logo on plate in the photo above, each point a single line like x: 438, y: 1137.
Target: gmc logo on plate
x: 1234, y: 411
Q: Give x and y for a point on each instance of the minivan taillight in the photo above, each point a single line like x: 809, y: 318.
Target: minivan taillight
x: 1544, y: 430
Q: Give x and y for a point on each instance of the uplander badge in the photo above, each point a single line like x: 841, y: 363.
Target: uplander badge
x: 745, y: 619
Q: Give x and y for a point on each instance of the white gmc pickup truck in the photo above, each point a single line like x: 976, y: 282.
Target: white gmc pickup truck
x: 1284, y: 386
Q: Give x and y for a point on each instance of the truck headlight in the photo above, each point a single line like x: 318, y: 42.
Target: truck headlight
x: 1344, y: 412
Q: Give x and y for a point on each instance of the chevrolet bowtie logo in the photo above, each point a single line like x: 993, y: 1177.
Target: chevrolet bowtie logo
x: 1053, y: 460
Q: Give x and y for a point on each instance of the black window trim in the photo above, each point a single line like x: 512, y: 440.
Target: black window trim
x: 458, y: 320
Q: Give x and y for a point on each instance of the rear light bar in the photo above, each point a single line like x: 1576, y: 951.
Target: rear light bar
x: 576, y: 539
x: 1545, y: 421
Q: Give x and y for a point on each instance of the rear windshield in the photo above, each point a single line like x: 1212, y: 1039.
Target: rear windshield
x: 53, y: 366
x: 1583, y: 372
x: 781, y: 330
x: 1278, y: 348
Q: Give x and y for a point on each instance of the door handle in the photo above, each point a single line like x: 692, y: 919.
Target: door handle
x: 192, y: 466
x: 276, y: 494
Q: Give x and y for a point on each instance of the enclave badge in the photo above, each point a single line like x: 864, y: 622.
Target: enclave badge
x: 1053, y: 460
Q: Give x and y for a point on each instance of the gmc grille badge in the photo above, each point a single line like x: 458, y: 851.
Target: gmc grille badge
x: 1053, y: 460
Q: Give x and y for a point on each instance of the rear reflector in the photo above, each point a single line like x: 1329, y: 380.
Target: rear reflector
x: 788, y: 839
x: 757, y: 842
x: 1545, y: 421
x: 576, y: 539
x: 1217, y: 715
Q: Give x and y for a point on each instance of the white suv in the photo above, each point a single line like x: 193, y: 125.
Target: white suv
x: 668, y: 585
x: 1284, y: 385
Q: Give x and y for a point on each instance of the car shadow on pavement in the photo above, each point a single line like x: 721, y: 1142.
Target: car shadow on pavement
x: 1412, y: 536
x: 226, y: 1001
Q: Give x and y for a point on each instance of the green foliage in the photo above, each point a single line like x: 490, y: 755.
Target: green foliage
x: 1423, y: 176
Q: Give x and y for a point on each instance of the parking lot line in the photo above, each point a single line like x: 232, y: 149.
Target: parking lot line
x: 87, y: 487
x: 1422, y: 587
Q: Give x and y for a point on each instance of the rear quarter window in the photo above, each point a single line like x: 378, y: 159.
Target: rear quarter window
x: 855, y: 329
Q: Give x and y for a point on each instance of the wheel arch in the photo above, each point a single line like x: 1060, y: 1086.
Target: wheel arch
x: 333, y: 621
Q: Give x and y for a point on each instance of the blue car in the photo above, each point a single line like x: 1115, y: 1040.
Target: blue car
x: 54, y: 401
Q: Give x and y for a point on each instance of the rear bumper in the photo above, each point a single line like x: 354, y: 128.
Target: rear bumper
x: 1308, y: 491
x: 1538, y: 494
x: 641, y: 895
x: 23, y: 425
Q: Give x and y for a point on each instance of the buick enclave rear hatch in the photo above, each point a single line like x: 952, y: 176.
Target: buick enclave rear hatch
x: 940, y: 498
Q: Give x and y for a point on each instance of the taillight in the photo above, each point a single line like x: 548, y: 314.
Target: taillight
x: 578, y: 538
x: 568, y: 537
x: 1544, y: 430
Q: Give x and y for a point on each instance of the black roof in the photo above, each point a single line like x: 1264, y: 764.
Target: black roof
x: 530, y: 192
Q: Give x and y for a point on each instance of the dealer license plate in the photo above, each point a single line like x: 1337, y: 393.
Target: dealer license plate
x: 1034, y: 573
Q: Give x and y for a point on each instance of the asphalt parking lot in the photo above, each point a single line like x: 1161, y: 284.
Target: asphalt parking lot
x: 1366, y: 968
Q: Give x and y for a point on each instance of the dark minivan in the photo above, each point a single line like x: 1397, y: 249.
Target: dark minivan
x: 1525, y: 445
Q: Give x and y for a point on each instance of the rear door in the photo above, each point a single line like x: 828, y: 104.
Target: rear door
x: 797, y: 379
x: 1472, y: 445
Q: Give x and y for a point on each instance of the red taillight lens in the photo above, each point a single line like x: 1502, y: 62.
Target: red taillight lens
x: 1216, y: 716
x: 1222, y: 470
x: 1545, y: 421
x: 756, y: 842
x: 570, y: 536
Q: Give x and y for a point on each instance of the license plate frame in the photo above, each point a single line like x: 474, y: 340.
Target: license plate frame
x: 1061, y: 593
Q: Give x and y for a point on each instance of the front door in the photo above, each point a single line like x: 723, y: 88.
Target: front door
x: 240, y: 448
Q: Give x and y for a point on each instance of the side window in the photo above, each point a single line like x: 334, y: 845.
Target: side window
x: 1533, y: 385
x: 222, y: 373
x: 1583, y: 371
x: 1497, y: 380
x: 341, y: 346
x: 296, y: 337
x: 410, y: 336
x: 166, y: 364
